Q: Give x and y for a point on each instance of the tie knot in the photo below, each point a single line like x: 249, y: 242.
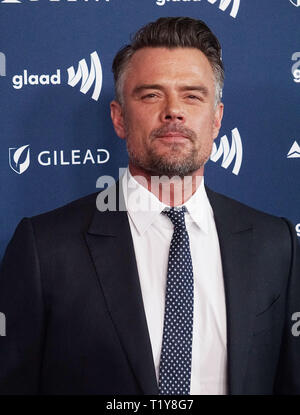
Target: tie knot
x: 176, y: 215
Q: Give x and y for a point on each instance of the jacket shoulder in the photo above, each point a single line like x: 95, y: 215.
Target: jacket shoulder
x: 235, y: 213
x: 76, y: 214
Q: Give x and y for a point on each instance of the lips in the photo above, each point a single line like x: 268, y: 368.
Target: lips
x: 173, y: 132
x: 173, y: 137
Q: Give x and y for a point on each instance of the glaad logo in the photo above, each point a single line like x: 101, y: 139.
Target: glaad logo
x: 2, y: 325
x: 229, y: 153
x: 87, y: 78
x: 223, y: 5
x: 295, y: 2
x: 2, y: 64
x: 296, y: 326
x: 55, y: 158
x: 25, y: 79
x: 294, y: 151
x: 297, y: 227
x: 296, y: 66
x: 19, y: 158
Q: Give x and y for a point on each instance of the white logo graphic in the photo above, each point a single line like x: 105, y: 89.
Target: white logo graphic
x: 15, y: 155
x: 2, y: 64
x: 298, y: 229
x: 222, y: 6
x: 295, y: 2
x: 56, y: 158
x: 26, y: 79
x: 10, y: 1
x: 294, y: 151
x: 296, y: 67
x: 2, y: 324
x: 296, y: 326
x: 87, y: 78
x: 229, y: 153
x: 225, y: 3
x: 83, y: 74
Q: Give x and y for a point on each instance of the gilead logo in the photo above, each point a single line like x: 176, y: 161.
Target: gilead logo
x: 296, y: 67
x: 62, y: 158
x: 19, y: 158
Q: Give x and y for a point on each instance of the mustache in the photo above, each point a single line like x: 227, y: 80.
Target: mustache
x: 173, y: 128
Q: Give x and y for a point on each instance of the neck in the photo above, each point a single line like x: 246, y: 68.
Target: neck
x: 172, y: 191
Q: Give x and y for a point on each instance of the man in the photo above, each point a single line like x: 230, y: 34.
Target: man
x: 185, y: 290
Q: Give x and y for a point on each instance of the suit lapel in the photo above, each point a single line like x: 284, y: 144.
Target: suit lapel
x: 236, y: 245
x: 111, y: 247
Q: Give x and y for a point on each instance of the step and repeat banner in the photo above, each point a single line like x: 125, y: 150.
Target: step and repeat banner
x: 56, y: 85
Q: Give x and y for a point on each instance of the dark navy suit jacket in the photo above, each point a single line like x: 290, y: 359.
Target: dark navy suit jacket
x: 75, y: 322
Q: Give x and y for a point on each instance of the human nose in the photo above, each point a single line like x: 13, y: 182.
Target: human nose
x: 172, y: 111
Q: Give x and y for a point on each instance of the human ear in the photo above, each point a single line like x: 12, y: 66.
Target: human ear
x: 116, y: 113
x: 218, y: 119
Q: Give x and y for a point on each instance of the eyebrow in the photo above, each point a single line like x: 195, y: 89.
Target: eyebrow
x: 142, y: 87
x: 199, y: 88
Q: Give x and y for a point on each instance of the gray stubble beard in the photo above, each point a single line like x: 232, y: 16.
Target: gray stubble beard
x: 164, y: 165
x: 160, y: 165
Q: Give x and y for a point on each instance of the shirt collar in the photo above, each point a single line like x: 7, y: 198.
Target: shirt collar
x: 144, y: 208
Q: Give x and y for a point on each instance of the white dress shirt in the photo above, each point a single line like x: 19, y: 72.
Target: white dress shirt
x: 152, y: 233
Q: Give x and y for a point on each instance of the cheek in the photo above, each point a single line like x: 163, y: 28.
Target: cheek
x: 140, y: 127
x: 136, y: 134
x: 203, y: 129
x: 206, y: 123
x: 133, y: 116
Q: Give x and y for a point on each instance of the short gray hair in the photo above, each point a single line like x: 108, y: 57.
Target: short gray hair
x: 172, y: 32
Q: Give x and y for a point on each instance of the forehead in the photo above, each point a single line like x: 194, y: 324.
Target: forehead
x: 177, y: 65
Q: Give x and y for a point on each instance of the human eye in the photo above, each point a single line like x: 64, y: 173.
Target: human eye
x: 149, y: 96
x: 193, y: 97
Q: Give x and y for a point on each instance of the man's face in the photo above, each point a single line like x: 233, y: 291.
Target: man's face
x: 168, y: 116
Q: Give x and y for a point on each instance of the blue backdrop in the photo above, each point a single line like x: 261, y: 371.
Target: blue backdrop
x: 56, y: 133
